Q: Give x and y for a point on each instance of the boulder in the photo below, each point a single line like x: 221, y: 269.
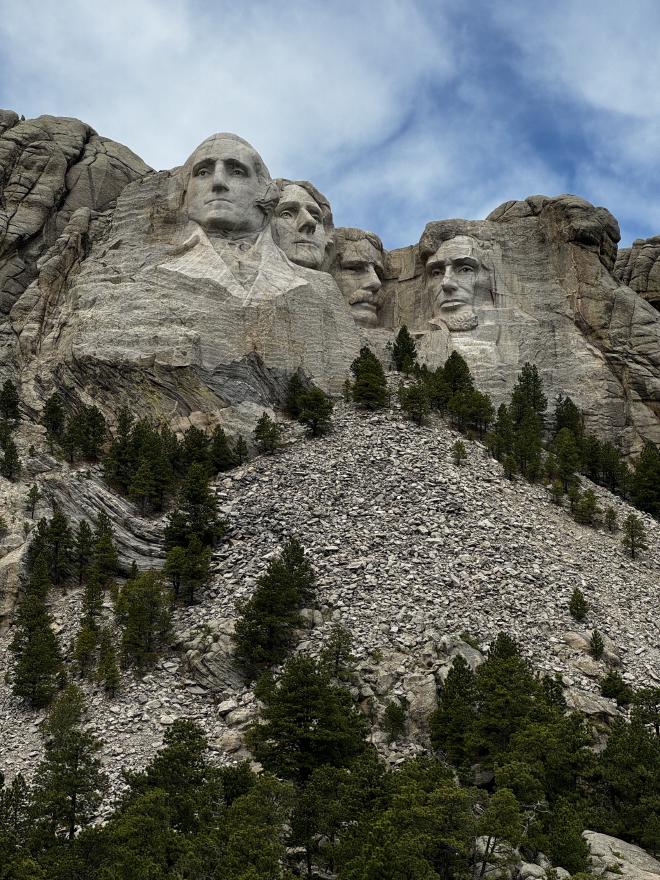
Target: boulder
x: 611, y: 858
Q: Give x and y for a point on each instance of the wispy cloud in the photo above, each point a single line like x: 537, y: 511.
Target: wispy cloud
x: 402, y: 111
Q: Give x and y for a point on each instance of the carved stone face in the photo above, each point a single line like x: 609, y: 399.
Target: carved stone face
x: 298, y: 229
x: 361, y: 271
x: 458, y: 281
x: 224, y: 185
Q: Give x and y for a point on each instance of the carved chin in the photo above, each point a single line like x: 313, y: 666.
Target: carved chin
x: 457, y: 323
x: 365, y: 314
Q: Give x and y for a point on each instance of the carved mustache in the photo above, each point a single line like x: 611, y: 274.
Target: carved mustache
x: 364, y: 296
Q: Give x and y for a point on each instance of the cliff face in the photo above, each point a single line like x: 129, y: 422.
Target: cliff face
x: 121, y: 285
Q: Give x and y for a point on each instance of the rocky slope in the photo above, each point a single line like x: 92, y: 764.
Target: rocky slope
x: 414, y: 555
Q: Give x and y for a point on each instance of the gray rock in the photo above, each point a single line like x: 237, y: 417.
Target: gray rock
x: 638, y: 267
x: 612, y: 858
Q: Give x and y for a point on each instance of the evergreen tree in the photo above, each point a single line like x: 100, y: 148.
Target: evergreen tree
x: 108, y: 670
x: 568, y: 416
x: 69, y: 783
x: 645, y: 481
x: 596, y: 645
x: 106, y: 560
x: 32, y: 498
x: 144, y: 608
x: 567, y: 455
x: 634, y: 535
x: 501, y: 822
x: 92, y: 432
x: 59, y: 541
x: 221, y: 455
x: 527, y: 445
x: 196, y: 568
x: 143, y: 485
x: 369, y: 389
x: 501, y: 438
x: 92, y: 603
x: 294, y: 391
x: 451, y: 723
x: 610, y: 518
x: 315, y: 411
x: 587, y: 509
x: 456, y: 374
x: 195, y: 449
x: 307, y: 722
x: 267, y: 434
x: 394, y: 721
x: 83, y: 549
x: 336, y: 655
x: 197, y: 513
x: 414, y: 400
x: 264, y: 630
x: 459, y: 452
x: 578, y: 605
x: 527, y: 396
x: 404, y: 351
x: 557, y: 491
x: 119, y: 463
x: 175, y: 568
x: 10, y: 465
x: 9, y: 402
x: 84, y: 649
x: 37, y: 661
x: 241, y: 450
x: 566, y: 847
x: 53, y: 419
x: 614, y: 687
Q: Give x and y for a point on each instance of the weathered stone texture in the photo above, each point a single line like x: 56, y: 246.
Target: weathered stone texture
x: 638, y: 267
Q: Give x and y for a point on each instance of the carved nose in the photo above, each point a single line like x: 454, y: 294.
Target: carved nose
x: 448, y: 282
x: 306, y: 223
x: 373, y: 282
x: 219, y: 180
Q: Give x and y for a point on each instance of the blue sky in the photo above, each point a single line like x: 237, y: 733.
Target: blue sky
x: 400, y: 111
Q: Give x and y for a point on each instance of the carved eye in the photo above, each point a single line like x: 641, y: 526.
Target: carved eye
x: 436, y: 273
x: 238, y: 172
x: 288, y: 215
x: 203, y: 172
x: 466, y: 269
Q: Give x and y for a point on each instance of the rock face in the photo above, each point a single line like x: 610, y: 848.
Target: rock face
x: 639, y: 268
x: 51, y: 168
x: 611, y: 858
x: 201, y: 289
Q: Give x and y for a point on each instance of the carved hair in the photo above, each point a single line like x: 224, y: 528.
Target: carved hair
x: 345, y: 234
x: 437, y: 233
x: 319, y: 198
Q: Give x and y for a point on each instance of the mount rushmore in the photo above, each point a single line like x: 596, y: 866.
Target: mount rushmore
x: 197, y: 292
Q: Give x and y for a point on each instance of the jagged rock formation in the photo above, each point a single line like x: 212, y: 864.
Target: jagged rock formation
x: 638, y: 267
x: 50, y: 169
x: 612, y: 858
x: 199, y: 290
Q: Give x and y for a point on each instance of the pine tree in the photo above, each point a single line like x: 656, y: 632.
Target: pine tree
x: 370, y: 386
x: 241, y: 450
x: 267, y: 434
x: 10, y: 465
x: 9, y: 402
x: 414, y: 400
x: 84, y: 649
x: 501, y: 438
x: 404, y: 351
x: 145, y: 609
x: 53, y: 419
x: 264, y: 630
x: 59, y: 541
x: 92, y: 602
x: 37, y: 661
x: 614, y: 687
x: 578, y: 606
x: 69, y: 783
x: 92, y: 432
x: 336, y: 655
x: 83, y: 549
x: 108, y: 671
x: 294, y: 391
x: 459, y: 452
x: 568, y: 416
x: 527, y: 396
x: 221, y: 455
x: 197, y: 567
x: 596, y: 645
x: 119, y: 463
x: 645, y: 482
x: 106, y: 560
x: 587, y: 509
x: 143, y: 485
x: 175, y: 568
x: 502, y: 820
x: 32, y: 498
x: 307, y: 722
x: 315, y: 411
x: 557, y: 491
x: 610, y: 518
x: 456, y: 374
x: 567, y: 454
x: 451, y: 723
x: 567, y: 848
x: 195, y: 449
x: 197, y: 513
x: 634, y: 535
